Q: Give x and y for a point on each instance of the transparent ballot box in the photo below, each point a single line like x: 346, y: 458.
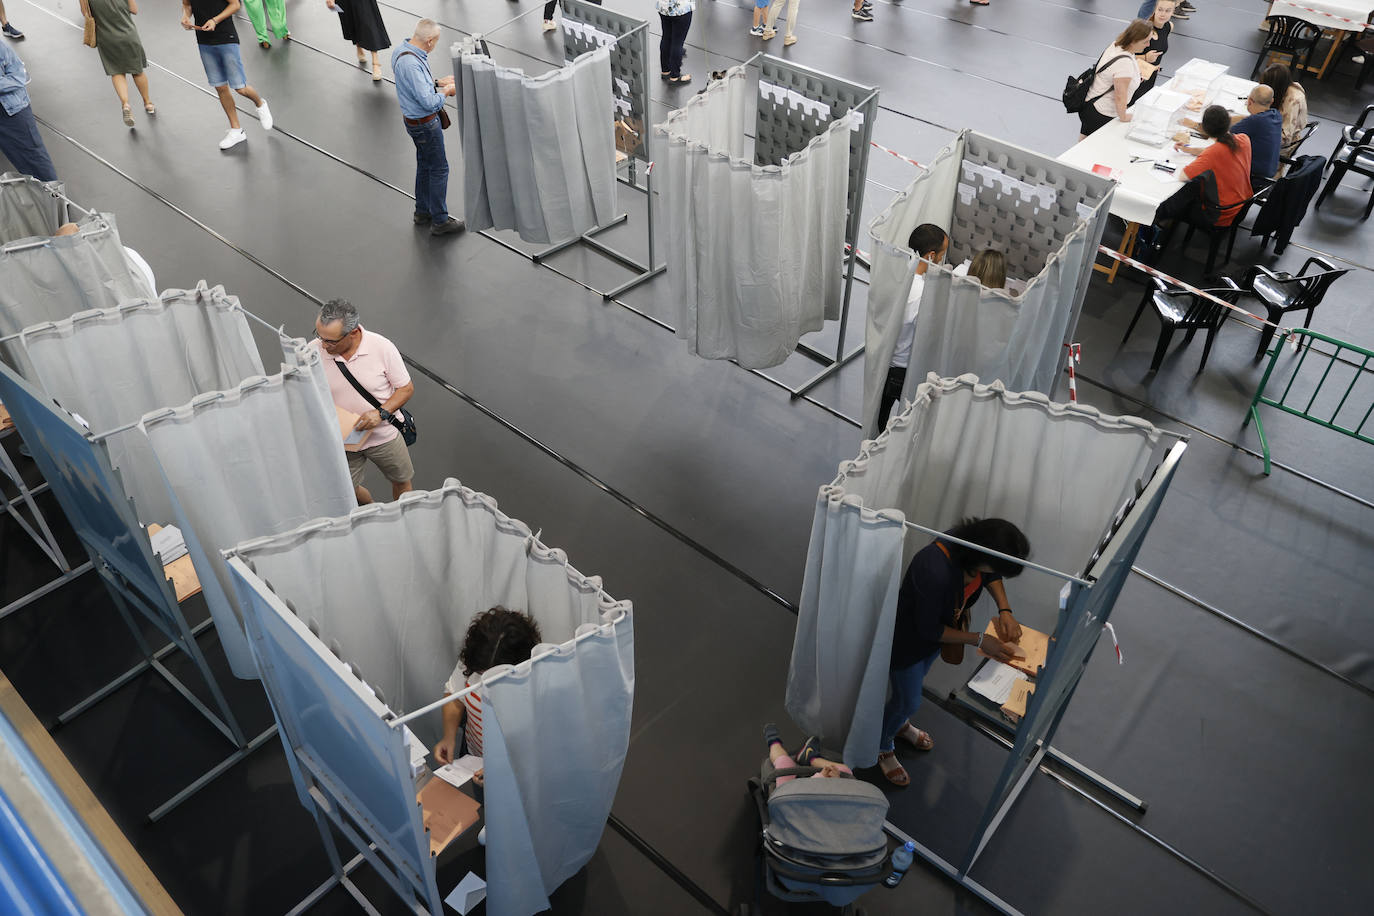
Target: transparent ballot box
x: 1155, y: 118
x: 1200, y: 80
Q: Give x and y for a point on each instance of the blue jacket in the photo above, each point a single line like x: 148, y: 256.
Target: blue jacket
x: 1265, y: 131
x: 14, y: 98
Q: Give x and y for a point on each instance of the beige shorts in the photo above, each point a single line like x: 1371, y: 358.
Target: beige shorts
x: 392, y: 459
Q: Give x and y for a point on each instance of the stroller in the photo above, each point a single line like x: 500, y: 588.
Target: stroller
x: 822, y: 839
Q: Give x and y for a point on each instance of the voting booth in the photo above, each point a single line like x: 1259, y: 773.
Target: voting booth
x: 29, y: 207
x: 1045, y: 217
x: 1083, y: 486
x: 763, y: 180
x: 356, y: 623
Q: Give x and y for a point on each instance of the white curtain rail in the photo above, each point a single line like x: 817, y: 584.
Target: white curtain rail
x: 994, y: 553
x: 280, y: 332
x: 87, y: 232
x: 210, y: 398
x: 553, y: 650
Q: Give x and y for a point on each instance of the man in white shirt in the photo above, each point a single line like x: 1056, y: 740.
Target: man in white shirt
x: 931, y: 244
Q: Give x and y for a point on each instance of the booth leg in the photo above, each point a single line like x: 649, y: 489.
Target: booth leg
x: 929, y: 855
x: 210, y: 775
x: 42, y: 590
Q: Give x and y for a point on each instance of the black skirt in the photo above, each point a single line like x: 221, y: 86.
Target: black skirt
x: 1090, y: 119
x: 362, y: 24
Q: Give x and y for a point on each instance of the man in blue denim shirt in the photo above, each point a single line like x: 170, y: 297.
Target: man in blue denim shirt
x: 422, y: 99
x: 19, y: 139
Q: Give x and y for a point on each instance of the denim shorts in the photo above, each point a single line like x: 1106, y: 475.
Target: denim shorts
x: 223, y: 65
x: 760, y: 4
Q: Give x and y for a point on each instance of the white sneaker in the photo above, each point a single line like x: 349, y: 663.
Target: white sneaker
x: 265, y: 115
x: 233, y: 138
x: 550, y: 25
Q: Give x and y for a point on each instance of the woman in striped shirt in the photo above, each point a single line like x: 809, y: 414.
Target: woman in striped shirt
x: 495, y: 637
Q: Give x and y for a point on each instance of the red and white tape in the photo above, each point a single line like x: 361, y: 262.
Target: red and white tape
x: 1116, y: 645
x: 1323, y: 13
x: 893, y: 152
x: 1172, y: 281
x: 1075, y: 353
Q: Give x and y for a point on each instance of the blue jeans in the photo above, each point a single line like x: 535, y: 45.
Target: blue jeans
x: 905, y: 699
x: 23, y: 147
x: 431, y: 170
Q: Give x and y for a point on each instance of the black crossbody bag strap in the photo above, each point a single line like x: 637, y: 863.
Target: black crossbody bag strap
x: 395, y: 420
x: 1099, y: 70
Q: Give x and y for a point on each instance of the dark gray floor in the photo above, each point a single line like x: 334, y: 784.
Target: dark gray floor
x: 688, y: 485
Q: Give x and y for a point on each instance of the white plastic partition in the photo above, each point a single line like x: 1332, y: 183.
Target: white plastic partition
x: 1045, y: 217
x: 1060, y: 472
x: 257, y: 459
x: 755, y: 253
x: 538, y: 151
x: 354, y: 618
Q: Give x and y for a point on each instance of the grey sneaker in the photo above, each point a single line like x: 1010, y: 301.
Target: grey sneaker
x: 863, y: 14
x: 11, y: 32
x: 449, y: 227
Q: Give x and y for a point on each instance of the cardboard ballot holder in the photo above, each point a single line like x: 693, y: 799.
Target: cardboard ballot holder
x: 346, y: 420
x: 1033, y: 643
x: 447, y: 813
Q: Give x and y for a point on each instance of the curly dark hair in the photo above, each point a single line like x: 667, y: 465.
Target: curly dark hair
x: 994, y: 533
x: 498, y: 636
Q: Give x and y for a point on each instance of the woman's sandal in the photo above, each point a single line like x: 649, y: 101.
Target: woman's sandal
x: 265, y: 45
x: 376, y: 73
x: 128, y: 116
x: 893, y: 769
x: 678, y: 81
x: 150, y: 108
x: 916, y: 738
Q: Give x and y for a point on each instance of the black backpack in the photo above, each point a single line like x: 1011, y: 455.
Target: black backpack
x: 1076, y: 87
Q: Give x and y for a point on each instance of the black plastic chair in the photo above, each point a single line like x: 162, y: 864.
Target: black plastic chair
x: 1283, y: 292
x: 1180, y: 310
x: 1289, y: 37
x: 1354, y: 153
x: 1216, y: 233
x: 1303, y: 135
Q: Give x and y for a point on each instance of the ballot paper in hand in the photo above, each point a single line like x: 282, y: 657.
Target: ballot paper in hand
x: 460, y: 770
x: 995, y: 682
x: 168, y: 544
x: 471, y: 891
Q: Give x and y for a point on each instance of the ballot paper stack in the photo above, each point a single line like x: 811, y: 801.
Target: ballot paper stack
x: 169, y: 544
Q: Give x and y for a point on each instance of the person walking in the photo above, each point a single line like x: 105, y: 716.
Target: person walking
x: 422, y: 108
x: 1158, y: 14
x: 6, y: 29
x: 362, y: 24
x: 268, y: 18
x: 19, y: 139
x: 218, y: 41
x: 120, y: 49
x: 675, y: 16
x: 774, y: 9
x: 354, y: 357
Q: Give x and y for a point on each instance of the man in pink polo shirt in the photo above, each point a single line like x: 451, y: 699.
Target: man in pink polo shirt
x: 376, y: 364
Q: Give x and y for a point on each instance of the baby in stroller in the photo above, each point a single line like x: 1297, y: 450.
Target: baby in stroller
x: 822, y: 836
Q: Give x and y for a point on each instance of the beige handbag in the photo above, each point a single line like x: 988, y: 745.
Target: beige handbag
x: 88, y: 34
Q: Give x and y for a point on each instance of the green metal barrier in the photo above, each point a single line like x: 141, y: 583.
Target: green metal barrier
x: 1305, y: 340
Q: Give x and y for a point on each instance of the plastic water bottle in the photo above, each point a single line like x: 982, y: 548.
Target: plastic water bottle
x: 901, y: 861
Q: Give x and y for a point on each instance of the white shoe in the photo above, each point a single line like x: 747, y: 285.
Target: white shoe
x: 482, y: 837
x: 265, y: 115
x: 550, y: 25
x: 234, y: 138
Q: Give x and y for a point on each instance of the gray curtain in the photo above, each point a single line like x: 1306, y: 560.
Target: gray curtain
x: 112, y: 366
x: 754, y: 252
x: 538, y: 151
x: 28, y: 207
x: 260, y: 458
x: 391, y: 589
x: 1045, y: 217
x: 51, y: 279
x: 1059, y: 472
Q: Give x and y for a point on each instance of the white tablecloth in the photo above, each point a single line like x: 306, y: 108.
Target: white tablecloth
x: 1348, y: 15
x: 1142, y: 187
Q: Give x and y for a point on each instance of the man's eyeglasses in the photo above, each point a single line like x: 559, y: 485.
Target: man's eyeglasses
x: 331, y: 341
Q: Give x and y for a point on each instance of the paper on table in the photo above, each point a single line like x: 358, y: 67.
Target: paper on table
x: 460, y: 770
x: 1015, y: 706
x: 471, y: 891
x: 995, y: 682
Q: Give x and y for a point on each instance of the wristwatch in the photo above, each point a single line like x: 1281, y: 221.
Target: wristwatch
x: 384, y: 415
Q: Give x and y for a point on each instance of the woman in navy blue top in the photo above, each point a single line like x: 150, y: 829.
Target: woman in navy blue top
x: 942, y: 583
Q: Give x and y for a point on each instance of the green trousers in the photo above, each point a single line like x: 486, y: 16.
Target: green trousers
x: 276, y: 9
